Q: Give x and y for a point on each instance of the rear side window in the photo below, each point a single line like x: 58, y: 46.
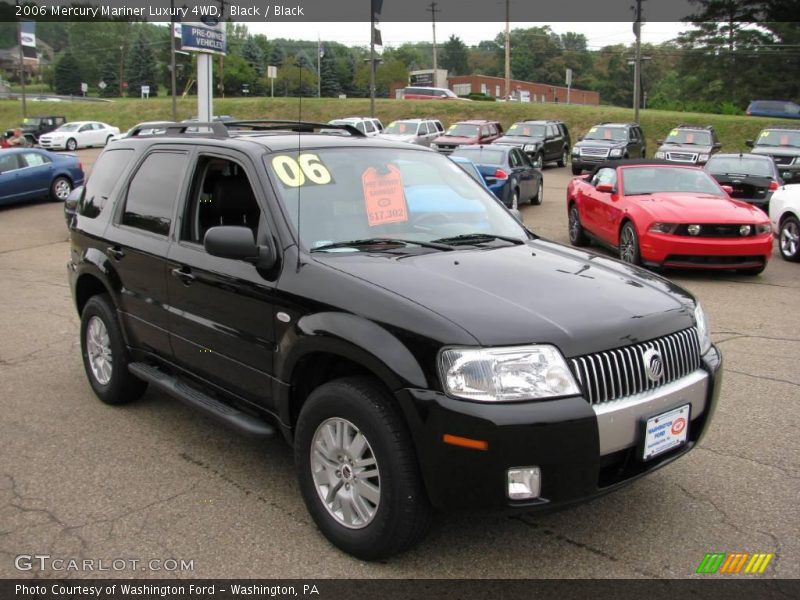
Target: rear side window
x: 32, y: 159
x: 153, y: 192
x: 105, y: 173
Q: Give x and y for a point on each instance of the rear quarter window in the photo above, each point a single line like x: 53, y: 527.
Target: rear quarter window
x: 106, y: 172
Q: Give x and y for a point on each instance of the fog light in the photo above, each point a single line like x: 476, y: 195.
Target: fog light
x: 744, y: 230
x: 694, y: 229
x: 524, y: 483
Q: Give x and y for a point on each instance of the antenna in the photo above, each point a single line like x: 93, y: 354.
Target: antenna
x: 299, y: 118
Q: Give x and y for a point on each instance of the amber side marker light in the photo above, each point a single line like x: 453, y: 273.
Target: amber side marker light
x: 456, y: 440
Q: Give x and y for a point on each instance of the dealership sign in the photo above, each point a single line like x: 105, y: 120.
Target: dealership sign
x: 203, y: 37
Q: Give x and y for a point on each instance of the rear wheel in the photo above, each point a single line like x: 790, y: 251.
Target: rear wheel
x: 60, y: 189
x: 357, y: 470
x: 105, y: 357
x: 789, y: 239
x: 562, y: 162
x: 577, y: 236
x: 629, y: 245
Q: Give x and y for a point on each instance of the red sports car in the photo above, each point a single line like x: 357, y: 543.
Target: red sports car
x: 664, y: 215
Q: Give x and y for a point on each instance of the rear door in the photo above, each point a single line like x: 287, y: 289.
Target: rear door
x: 554, y: 143
x: 221, y: 310
x: 36, y: 173
x: 137, y: 242
x: 523, y: 172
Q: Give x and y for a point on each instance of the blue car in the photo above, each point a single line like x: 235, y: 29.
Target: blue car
x: 508, y: 172
x: 782, y: 109
x: 30, y: 174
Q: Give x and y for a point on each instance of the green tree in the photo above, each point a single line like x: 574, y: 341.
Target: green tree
x: 455, y: 58
x: 141, y: 68
x: 277, y: 56
x: 329, y: 84
x: 252, y: 53
x: 238, y: 73
x: 67, y: 76
x: 109, y: 74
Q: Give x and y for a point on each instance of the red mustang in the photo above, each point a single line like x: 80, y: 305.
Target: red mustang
x: 664, y: 215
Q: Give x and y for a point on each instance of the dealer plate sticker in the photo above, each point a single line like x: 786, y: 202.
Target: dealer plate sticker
x: 666, y: 431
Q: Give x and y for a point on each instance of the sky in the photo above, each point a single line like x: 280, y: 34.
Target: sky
x: 394, y: 34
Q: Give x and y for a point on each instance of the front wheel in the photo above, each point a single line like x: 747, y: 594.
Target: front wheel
x: 72, y: 145
x: 60, y: 189
x: 105, y: 357
x: 789, y: 239
x: 357, y: 470
x: 515, y: 199
x: 538, y: 162
x: 576, y: 170
x: 108, y: 139
x: 629, y: 245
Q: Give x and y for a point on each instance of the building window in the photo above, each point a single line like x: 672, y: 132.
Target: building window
x: 462, y: 89
x: 497, y: 91
x: 484, y: 90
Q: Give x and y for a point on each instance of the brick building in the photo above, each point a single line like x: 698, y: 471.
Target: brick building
x: 539, y: 92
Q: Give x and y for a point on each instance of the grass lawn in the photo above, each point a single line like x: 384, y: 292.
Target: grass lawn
x: 124, y: 113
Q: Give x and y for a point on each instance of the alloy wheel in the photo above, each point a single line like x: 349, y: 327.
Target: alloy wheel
x: 790, y: 239
x: 98, y: 347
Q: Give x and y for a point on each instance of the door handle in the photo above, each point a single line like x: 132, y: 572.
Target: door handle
x: 115, y: 252
x: 184, y: 275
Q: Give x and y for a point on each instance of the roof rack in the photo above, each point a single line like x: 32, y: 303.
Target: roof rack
x: 690, y: 126
x: 298, y: 126
x: 172, y: 128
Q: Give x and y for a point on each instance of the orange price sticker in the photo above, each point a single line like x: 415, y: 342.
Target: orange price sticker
x: 384, y: 196
x: 689, y: 138
x: 526, y: 131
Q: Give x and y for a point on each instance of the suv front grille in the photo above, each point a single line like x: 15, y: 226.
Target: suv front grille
x: 595, y: 152
x: 686, y: 157
x: 619, y: 373
x: 783, y: 160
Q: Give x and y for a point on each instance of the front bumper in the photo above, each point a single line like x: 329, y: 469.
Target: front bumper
x: 680, y: 251
x: 581, y: 453
x: 789, y: 173
x: 48, y: 144
x: 588, y: 163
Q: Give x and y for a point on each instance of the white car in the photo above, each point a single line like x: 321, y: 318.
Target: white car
x: 784, y: 214
x: 366, y: 125
x: 78, y: 134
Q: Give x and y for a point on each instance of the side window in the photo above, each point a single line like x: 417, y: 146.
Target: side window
x: 360, y: 127
x: 552, y: 131
x: 153, y: 191
x: 105, y: 174
x: 605, y: 176
x: 86, y: 127
x: 513, y: 158
x: 484, y: 131
x: 221, y: 194
x: 370, y: 126
x: 8, y: 163
x: 32, y: 159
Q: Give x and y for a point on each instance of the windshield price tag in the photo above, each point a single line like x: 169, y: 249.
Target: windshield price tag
x: 593, y: 129
x: 673, y: 133
x: 764, y: 133
x: 384, y: 196
x: 306, y: 169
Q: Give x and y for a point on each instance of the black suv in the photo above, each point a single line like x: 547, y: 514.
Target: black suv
x: 413, y: 341
x: 542, y: 141
x: 689, y: 144
x: 783, y: 145
x: 33, y: 127
x: 607, y: 141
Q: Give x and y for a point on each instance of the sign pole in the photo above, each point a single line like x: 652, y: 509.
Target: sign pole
x: 172, y: 58
x: 22, y: 70
x: 205, y: 88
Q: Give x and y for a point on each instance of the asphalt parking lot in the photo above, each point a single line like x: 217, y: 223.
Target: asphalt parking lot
x: 154, y: 480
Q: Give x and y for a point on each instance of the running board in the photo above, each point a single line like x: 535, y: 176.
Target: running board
x: 235, y: 419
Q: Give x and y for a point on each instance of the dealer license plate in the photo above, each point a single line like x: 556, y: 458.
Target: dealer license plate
x: 666, y: 431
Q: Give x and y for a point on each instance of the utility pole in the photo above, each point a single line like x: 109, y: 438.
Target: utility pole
x: 121, y: 70
x: 637, y: 65
x: 508, y: 51
x: 172, y: 58
x: 22, y: 70
x: 319, y: 67
x: 433, y: 10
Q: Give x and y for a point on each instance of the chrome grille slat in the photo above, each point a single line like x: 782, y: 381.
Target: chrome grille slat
x: 620, y: 372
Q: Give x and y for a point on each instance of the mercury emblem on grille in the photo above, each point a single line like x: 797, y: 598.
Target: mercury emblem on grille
x: 653, y: 365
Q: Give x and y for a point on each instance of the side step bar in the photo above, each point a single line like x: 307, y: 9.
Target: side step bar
x: 235, y: 419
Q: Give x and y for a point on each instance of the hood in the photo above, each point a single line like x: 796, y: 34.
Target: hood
x: 600, y: 143
x: 693, y: 148
x: 396, y: 137
x: 518, y: 140
x: 539, y: 292
x: 776, y: 150
x: 691, y: 208
x: 455, y: 140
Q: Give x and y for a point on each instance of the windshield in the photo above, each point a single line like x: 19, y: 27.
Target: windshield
x: 651, y: 180
x: 462, y: 130
x: 482, y: 156
x: 526, y: 130
x: 778, y: 138
x: 689, y: 137
x: 740, y: 165
x: 345, y: 194
x: 402, y: 128
x: 69, y: 127
x: 35, y: 121
x: 617, y: 134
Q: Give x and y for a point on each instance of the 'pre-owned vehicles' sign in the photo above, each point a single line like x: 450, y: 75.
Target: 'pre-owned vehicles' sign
x: 201, y: 37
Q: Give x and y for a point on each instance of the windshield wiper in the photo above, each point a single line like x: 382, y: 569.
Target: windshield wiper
x: 378, y: 241
x: 470, y: 238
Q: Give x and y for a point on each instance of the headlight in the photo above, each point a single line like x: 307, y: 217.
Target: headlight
x: 703, y: 158
x: 703, y: 331
x: 615, y: 152
x: 529, y: 147
x: 763, y: 228
x: 502, y: 374
x: 576, y: 151
x: 660, y: 154
x: 435, y: 146
x: 663, y: 227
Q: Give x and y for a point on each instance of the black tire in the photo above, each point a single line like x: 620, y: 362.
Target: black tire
x: 577, y: 236
x: 536, y: 199
x: 60, y: 189
x: 752, y: 272
x: 562, y: 162
x: 538, y: 162
x: 576, y: 170
x: 108, y: 140
x: 72, y: 145
x: 402, y: 515
x: 788, y: 242
x: 629, y: 252
x: 122, y: 387
x: 515, y: 199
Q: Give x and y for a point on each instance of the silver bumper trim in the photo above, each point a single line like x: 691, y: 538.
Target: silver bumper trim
x: 618, y: 421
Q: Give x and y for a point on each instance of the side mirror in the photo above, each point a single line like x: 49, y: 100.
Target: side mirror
x: 749, y: 143
x: 659, y: 142
x: 71, y: 206
x: 605, y: 188
x: 717, y: 144
x: 728, y: 189
x: 237, y: 243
